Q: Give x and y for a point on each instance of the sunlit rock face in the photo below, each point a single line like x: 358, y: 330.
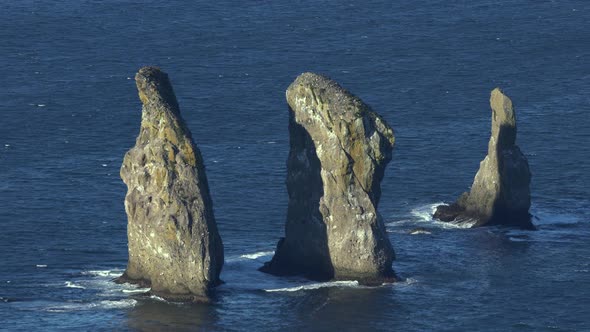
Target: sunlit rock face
x: 500, y: 193
x: 174, y: 245
x: 339, y: 149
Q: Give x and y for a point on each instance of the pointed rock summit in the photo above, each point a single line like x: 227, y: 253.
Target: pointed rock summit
x: 500, y: 193
x: 339, y: 150
x: 174, y: 245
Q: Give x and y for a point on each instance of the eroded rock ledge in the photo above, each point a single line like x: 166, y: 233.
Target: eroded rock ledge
x: 500, y: 193
x: 339, y: 149
x: 174, y: 245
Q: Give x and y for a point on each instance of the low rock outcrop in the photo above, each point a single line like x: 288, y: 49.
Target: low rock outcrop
x: 174, y: 245
x: 339, y: 149
x: 500, y: 193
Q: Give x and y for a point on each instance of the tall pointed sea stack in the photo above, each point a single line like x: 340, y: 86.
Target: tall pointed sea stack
x: 339, y: 150
x: 174, y: 246
x: 500, y: 193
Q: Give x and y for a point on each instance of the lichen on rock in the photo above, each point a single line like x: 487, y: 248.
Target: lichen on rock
x: 339, y: 149
x: 174, y: 245
x: 500, y: 193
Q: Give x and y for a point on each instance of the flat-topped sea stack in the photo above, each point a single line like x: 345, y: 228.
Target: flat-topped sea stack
x: 338, y: 152
x: 500, y: 193
x: 174, y: 245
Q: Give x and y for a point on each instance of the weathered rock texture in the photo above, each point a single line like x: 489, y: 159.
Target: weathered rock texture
x: 174, y: 246
x: 339, y: 150
x: 500, y: 193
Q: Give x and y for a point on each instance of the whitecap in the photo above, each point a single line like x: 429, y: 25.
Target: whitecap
x: 419, y: 231
x: 157, y: 298
x: 248, y: 257
x: 70, y: 284
x: 257, y: 254
x: 117, y: 304
x: 408, y: 281
x: 426, y: 212
x: 106, y: 305
x: 104, y: 273
x: 136, y: 290
x: 41, y: 265
x: 352, y: 283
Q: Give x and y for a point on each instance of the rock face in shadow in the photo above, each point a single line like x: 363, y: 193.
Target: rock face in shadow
x: 174, y: 245
x: 339, y: 149
x: 500, y: 193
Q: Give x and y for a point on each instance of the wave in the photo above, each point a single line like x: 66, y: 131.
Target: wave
x: 257, y: 254
x: 104, y: 273
x: 136, y: 290
x: 157, y: 298
x: 102, y: 281
x: 70, y: 284
x: 405, y: 282
x: 423, y: 214
x: 105, y: 305
x: 252, y: 256
x: 351, y: 284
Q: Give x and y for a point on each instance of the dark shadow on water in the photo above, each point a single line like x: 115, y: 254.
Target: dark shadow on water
x: 350, y: 309
x: 155, y: 315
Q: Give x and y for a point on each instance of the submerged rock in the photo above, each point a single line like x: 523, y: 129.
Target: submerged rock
x: 174, y: 245
x: 339, y: 149
x: 500, y: 193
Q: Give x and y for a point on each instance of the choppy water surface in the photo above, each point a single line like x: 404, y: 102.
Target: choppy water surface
x: 70, y: 112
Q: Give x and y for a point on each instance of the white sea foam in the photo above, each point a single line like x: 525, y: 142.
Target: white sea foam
x: 352, y: 283
x: 118, y: 304
x: 104, y: 273
x: 257, y: 254
x: 136, y: 290
x: 105, y: 305
x: 419, y: 231
x: 70, y: 284
x: 157, y: 298
x: 41, y: 265
x: 248, y: 257
x: 425, y: 213
x: 407, y: 281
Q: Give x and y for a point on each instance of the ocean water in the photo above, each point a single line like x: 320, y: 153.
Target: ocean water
x: 70, y: 111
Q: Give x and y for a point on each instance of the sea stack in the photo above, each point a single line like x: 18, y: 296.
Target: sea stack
x: 174, y: 245
x: 500, y: 193
x: 338, y: 152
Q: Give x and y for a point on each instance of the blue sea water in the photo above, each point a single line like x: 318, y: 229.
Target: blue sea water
x: 70, y: 111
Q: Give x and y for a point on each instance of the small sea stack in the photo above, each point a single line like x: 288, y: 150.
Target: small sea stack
x: 174, y: 245
x: 500, y: 193
x: 338, y: 152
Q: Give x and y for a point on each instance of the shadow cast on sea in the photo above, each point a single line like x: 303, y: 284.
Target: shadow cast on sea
x: 151, y: 314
